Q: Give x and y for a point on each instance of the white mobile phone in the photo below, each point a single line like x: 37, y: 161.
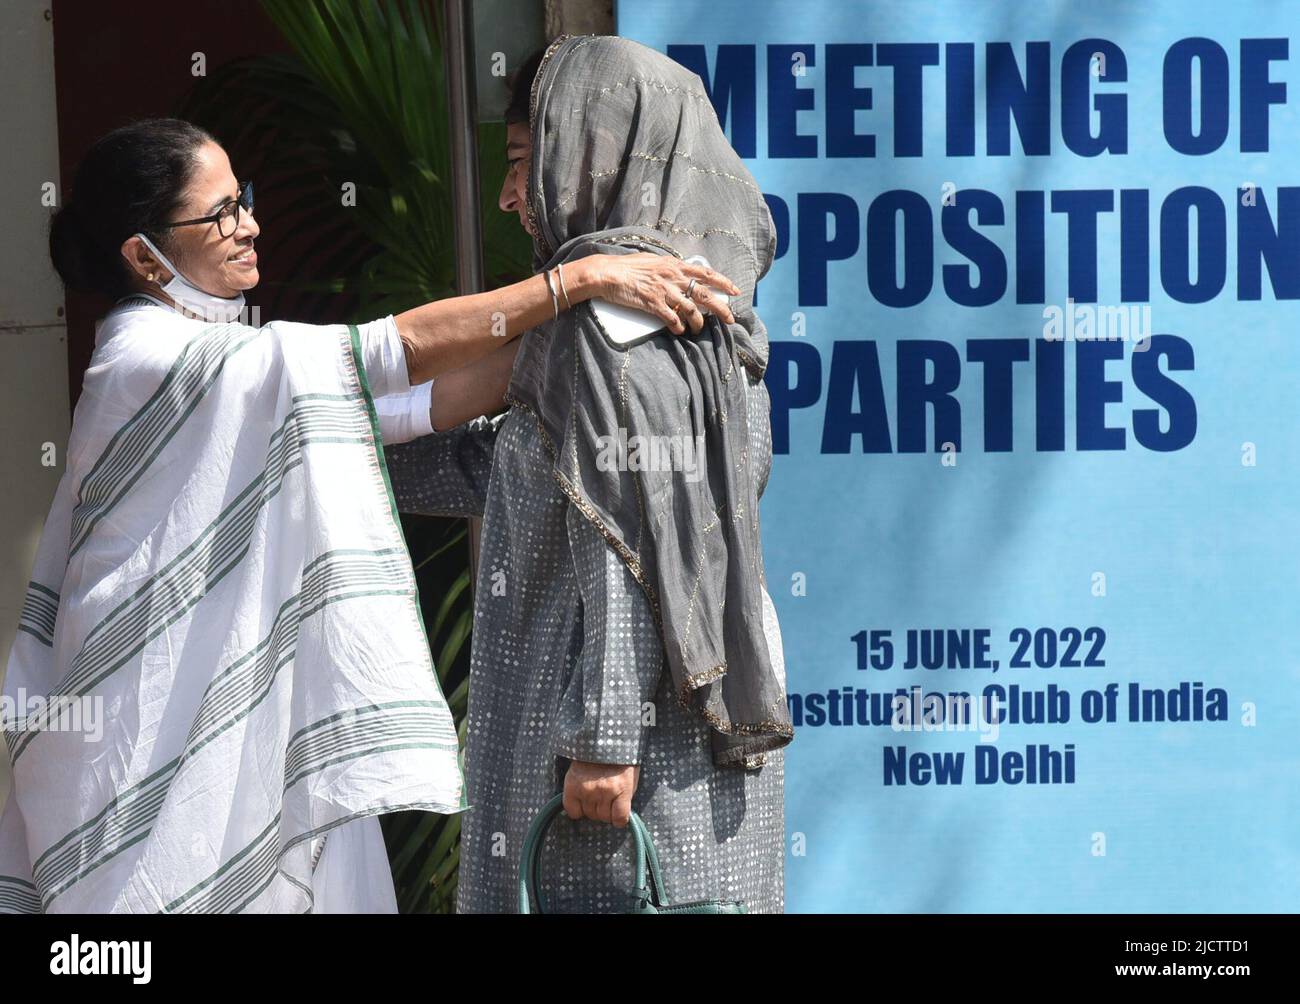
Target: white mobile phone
x: 626, y: 326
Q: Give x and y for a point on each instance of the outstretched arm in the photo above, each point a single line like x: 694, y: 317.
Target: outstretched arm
x: 476, y: 389
x: 453, y: 332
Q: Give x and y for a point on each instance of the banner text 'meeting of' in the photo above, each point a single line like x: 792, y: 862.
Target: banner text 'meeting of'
x: 1028, y: 98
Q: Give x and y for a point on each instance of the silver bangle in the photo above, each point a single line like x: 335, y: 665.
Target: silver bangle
x: 568, y: 305
x: 555, y: 303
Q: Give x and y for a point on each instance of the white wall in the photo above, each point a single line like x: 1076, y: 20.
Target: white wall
x: 33, y: 338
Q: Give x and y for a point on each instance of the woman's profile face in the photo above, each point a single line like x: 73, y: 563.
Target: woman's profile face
x: 514, y: 190
x: 222, y: 266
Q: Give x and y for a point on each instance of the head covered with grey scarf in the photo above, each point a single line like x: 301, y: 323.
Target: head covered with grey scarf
x: 628, y: 156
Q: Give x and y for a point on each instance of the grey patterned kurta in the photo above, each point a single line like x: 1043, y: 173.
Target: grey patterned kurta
x: 565, y: 657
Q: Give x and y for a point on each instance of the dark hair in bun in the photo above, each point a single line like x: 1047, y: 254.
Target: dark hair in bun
x: 131, y: 181
x: 521, y: 88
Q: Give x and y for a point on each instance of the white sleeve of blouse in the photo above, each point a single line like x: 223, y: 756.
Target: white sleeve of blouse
x: 403, y: 410
x: 403, y: 417
x: 385, y: 360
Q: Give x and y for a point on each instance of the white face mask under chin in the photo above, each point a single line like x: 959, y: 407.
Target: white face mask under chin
x: 190, y: 297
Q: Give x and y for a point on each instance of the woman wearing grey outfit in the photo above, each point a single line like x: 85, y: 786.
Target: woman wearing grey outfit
x: 605, y: 662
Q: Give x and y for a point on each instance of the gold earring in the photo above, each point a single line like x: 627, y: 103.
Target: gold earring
x: 152, y: 276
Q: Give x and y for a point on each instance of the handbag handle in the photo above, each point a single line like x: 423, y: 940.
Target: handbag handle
x: 645, y: 860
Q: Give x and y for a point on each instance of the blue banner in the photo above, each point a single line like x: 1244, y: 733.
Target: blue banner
x: 1032, y: 524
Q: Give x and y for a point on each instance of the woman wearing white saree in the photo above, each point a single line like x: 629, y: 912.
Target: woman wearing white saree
x: 221, y: 676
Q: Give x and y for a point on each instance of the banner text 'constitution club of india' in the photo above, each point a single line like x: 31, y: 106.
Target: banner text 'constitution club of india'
x: 1035, y: 376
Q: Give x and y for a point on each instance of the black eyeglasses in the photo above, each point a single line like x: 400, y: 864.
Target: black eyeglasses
x: 227, y: 217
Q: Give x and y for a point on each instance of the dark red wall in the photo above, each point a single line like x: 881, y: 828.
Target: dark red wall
x: 119, y: 60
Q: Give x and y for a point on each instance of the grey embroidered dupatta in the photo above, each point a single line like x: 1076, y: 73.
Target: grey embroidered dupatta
x: 628, y: 156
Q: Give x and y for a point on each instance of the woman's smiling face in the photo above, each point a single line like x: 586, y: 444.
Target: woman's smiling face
x: 222, y: 266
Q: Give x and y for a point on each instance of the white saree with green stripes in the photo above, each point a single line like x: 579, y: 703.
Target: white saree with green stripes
x: 221, y: 661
